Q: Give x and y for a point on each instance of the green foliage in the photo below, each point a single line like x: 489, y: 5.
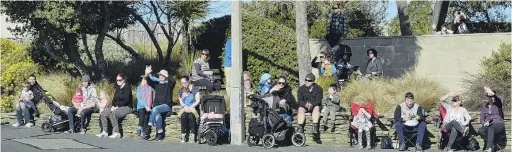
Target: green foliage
x: 269, y: 47
x: 388, y: 93
x: 495, y: 74
x: 60, y: 85
x: 16, y: 66
x: 420, y: 14
x: 318, y: 30
x: 325, y: 82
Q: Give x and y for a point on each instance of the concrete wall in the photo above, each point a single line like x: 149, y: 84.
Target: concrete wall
x: 444, y: 58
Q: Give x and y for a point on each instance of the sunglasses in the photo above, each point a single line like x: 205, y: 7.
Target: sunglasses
x: 309, y: 80
x: 205, y: 54
x: 283, y: 83
x: 119, y: 80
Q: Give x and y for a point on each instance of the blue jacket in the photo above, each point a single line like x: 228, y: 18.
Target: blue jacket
x: 227, y: 54
x: 142, y: 103
x: 264, y: 87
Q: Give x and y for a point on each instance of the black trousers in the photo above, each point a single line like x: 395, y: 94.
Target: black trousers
x: 488, y: 133
x: 455, y: 129
x: 144, y: 119
x: 188, y: 123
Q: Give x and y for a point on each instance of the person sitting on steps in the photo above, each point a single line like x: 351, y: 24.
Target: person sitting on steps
x: 201, y: 74
x: 310, y: 100
x: 121, y: 106
x: 332, y: 105
x: 456, y: 120
x: 144, y: 105
x: 409, y: 115
x: 491, y: 118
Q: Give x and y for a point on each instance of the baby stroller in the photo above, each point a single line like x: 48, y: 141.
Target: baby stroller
x: 271, y: 127
x: 58, y: 120
x: 213, y: 125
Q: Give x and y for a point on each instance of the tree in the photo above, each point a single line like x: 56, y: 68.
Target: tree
x: 303, y: 54
x: 439, y: 15
x: 417, y: 11
x: 488, y: 12
x: 405, y: 25
x: 57, y: 27
x: 187, y: 11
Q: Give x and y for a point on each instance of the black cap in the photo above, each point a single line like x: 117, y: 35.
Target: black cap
x: 310, y: 76
x: 409, y: 95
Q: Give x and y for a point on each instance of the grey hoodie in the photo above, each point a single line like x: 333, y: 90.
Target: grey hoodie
x: 90, y: 94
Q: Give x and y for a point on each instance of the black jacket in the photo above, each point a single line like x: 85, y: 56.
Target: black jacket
x: 123, y: 96
x: 163, y: 92
x: 38, y: 92
x: 398, y: 114
x: 286, y: 94
x: 314, y: 97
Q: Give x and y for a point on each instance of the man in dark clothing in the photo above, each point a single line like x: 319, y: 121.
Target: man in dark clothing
x: 409, y: 115
x: 162, y: 102
x: 374, y: 65
x: 337, y: 27
x: 310, y: 97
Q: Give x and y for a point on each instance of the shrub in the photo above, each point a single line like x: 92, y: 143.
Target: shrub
x: 269, y: 47
x: 60, y: 85
x: 16, y: 66
x: 319, y: 29
x: 325, y: 82
x: 495, y: 74
x: 388, y: 93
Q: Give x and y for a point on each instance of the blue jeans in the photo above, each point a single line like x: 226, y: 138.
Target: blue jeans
x: 156, y: 116
x: 85, y: 116
x: 400, y: 131
x: 23, y: 113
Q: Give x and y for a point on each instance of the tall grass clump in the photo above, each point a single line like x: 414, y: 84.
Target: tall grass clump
x: 388, y: 93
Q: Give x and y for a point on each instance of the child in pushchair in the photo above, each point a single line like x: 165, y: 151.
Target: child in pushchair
x: 58, y: 120
x: 271, y: 126
x: 213, y: 125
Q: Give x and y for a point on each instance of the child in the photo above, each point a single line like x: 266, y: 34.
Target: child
x: 362, y: 121
x: 144, y: 106
x: 265, y: 83
x: 104, y: 104
x: 332, y: 105
x: 247, y: 85
x: 27, y: 96
x: 78, y: 98
x: 357, y: 75
x: 327, y: 68
x: 186, y: 100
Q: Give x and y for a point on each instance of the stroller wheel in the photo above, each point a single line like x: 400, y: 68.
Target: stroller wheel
x: 47, y: 127
x: 202, y: 139
x: 298, y: 139
x: 252, y: 141
x: 269, y: 140
x: 211, y: 138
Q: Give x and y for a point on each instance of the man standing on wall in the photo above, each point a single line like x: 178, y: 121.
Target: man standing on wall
x: 227, y: 65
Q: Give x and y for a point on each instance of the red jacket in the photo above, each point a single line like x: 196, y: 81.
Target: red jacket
x: 368, y: 107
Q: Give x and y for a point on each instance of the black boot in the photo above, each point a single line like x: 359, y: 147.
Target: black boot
x: 316, y: 129
x: 300, y: 128
x: 332, y: 127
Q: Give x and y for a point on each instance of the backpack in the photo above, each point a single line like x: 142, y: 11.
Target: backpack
x: 256, y: 128
x: 387, y: 143
x: 473, y: 144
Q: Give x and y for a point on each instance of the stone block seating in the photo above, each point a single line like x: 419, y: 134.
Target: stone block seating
x: 337, y: 138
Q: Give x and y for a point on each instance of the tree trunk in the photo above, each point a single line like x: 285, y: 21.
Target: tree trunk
x: 403, y: 16
x: 439, y: 16
x: 70, y: 48
x: 303, y: 55
x: 98, y: 48
x: 185, y: 40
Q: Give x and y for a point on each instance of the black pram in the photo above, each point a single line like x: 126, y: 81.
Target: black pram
x: 58, y: 120
x: 271, y: 127
x: 213, y: 123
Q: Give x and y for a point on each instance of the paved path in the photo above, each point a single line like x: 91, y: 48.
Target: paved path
x: 33, y: 139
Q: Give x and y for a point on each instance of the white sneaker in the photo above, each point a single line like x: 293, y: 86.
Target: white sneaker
x: 115, y: 135
x: 29, y: 125
x: 102, y: 134
x: 183, y: 138
x: 16, y: 125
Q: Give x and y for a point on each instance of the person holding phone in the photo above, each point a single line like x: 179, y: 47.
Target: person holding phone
x: 409, y: 115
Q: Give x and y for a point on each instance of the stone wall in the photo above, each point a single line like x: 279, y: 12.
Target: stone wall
x: 445, y: 58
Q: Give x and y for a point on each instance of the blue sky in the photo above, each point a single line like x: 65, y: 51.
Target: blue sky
x: 221, y: 8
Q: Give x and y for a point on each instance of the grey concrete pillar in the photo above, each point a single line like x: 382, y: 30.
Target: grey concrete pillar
x: 237, y: 114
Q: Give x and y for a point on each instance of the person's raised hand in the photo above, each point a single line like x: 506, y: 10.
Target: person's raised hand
x: 488, y: 91
x: 148, y: 70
